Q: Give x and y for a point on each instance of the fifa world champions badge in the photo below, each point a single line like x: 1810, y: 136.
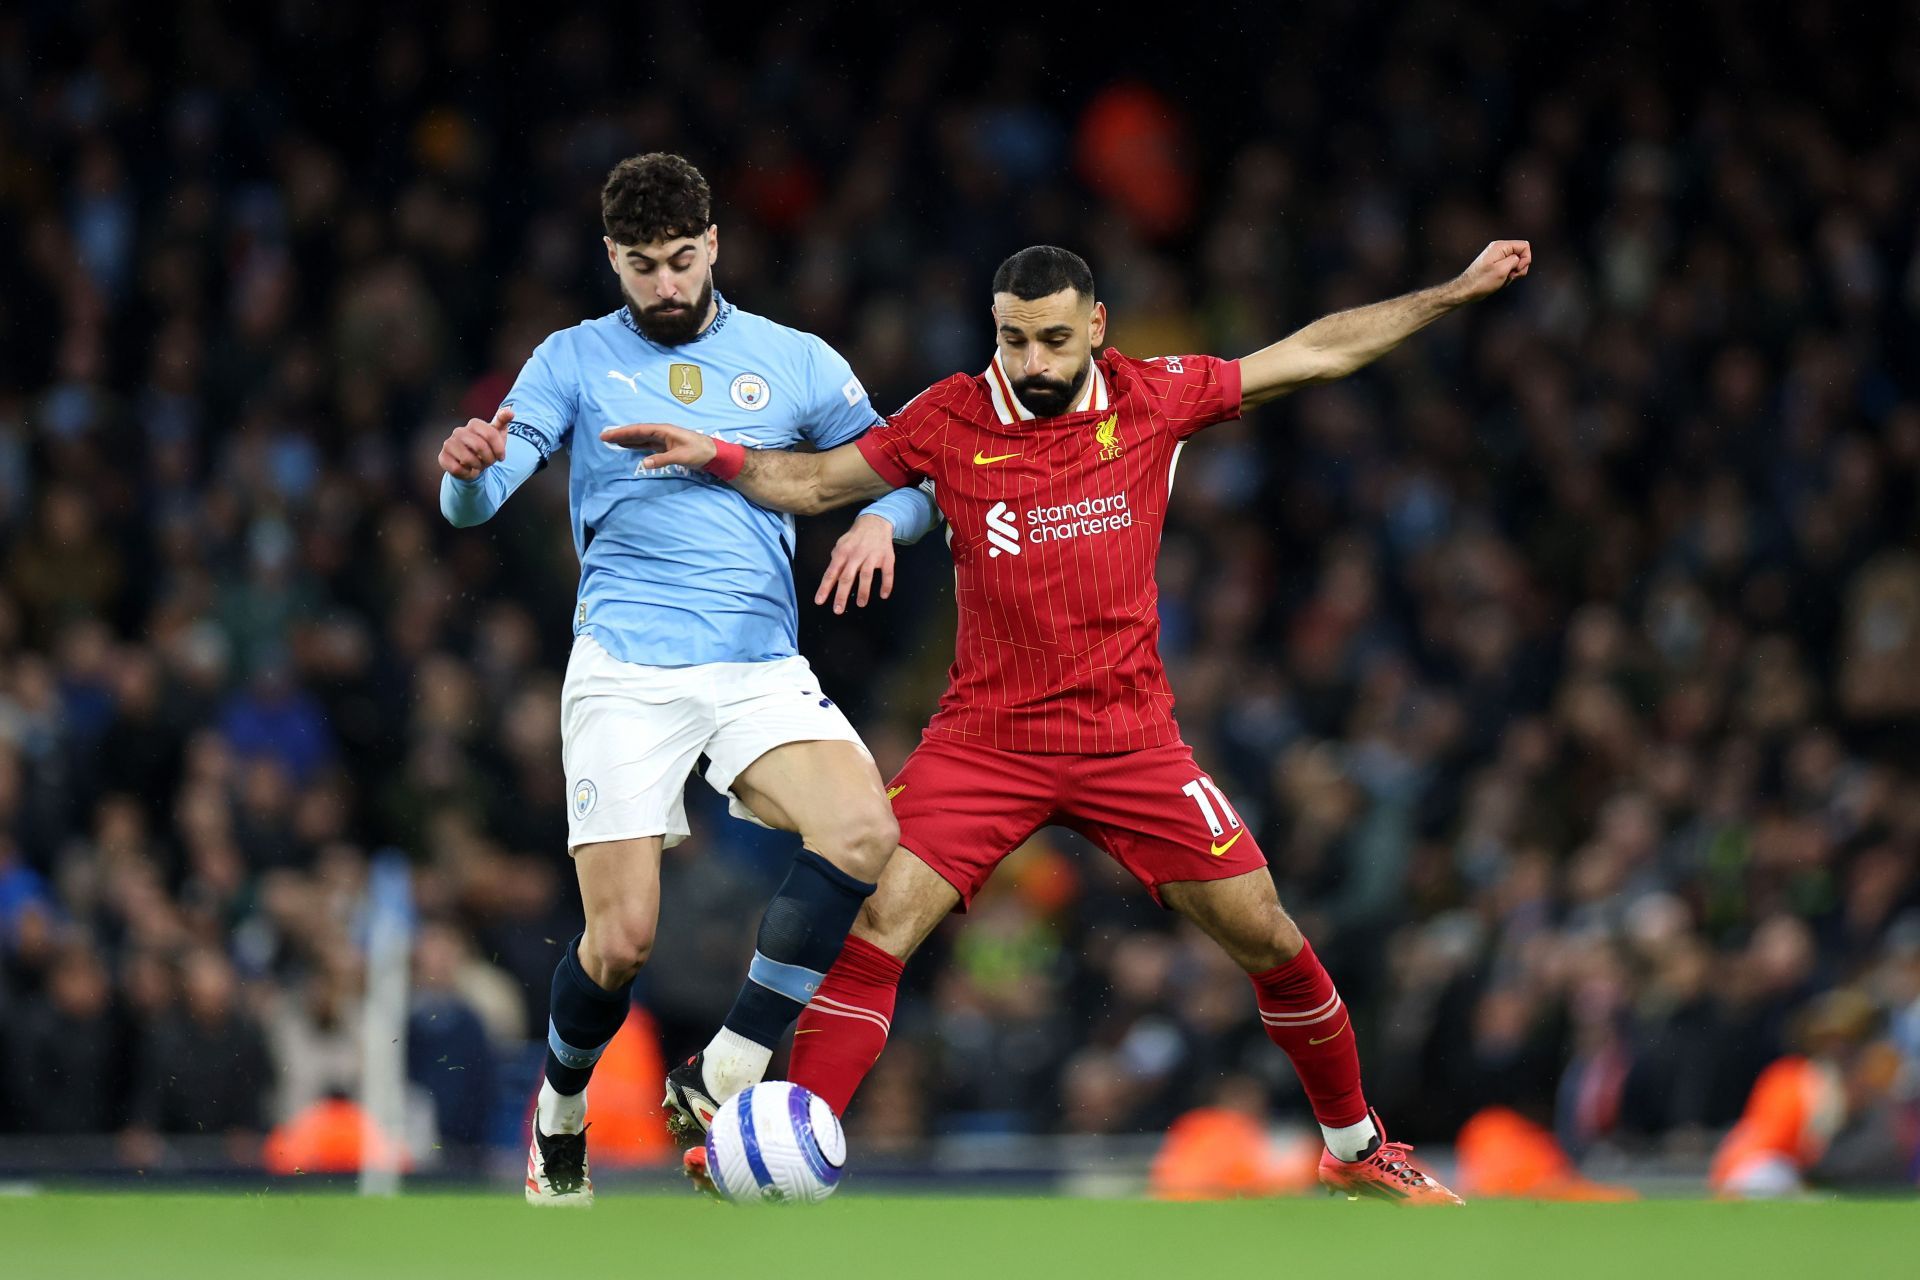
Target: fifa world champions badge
x: 685, y: 382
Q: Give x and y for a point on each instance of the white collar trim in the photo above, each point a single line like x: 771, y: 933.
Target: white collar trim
x: 1007, y: 405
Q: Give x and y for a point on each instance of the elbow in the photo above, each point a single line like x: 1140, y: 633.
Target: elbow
x: 463, y: 506
x: 462, y: 519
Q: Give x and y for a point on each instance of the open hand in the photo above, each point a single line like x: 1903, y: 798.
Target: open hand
x: 865, y: 550
x: 674, y: 446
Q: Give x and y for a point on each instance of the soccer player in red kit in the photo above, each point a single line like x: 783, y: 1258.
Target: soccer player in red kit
x: 1053, y: 468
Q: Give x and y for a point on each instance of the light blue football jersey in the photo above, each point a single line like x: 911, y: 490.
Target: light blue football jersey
x: 676, y: 568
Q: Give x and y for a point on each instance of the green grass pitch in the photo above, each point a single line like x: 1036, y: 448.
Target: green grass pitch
x: 279, y: 1236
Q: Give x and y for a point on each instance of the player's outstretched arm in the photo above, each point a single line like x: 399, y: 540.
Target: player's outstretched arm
x: 803, y: 483
x: 1334, y: 346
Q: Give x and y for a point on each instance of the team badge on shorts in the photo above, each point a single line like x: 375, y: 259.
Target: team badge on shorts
x: 750, y: 392
x: 585, y: 796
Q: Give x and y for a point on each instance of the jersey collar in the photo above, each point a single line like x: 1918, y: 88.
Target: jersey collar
x: 722, y: 311
x: 1092, y: 397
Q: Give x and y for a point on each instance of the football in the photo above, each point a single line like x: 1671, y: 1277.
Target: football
x: 775, y: 1143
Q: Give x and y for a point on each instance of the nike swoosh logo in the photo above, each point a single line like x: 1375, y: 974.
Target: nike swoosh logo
x: 1324, y: 1039
x: 894, y: 791
x: 1219, y: 849
x: 981, y: 459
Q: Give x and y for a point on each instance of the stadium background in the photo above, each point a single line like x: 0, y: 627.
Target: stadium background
x: 1566, y: 663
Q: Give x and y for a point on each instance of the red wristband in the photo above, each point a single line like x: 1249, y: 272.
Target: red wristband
x: 728, y: 458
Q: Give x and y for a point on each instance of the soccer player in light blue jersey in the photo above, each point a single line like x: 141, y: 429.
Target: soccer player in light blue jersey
x: 685, y: 633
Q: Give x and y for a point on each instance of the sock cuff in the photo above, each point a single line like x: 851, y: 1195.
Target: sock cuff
x: 862, y: 959
x: 1294, y: 979
x: 586, y: 986
x: 794, y: 981
x: 577, y: 1057
x: 833, y: 875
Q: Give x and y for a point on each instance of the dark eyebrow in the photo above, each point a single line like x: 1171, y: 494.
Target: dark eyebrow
x: 1057, y: 331
x: 638, y: 256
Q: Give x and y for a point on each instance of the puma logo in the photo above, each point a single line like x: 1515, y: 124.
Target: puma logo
x: 632, y: 381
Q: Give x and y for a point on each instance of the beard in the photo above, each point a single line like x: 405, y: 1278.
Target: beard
x: 1050, y: 397
x: 671, y: 324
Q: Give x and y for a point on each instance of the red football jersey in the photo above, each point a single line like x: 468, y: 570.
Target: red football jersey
x: 1055, y: 528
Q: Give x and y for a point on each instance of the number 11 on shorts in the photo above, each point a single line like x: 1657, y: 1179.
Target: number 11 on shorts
x: 1204, y: 794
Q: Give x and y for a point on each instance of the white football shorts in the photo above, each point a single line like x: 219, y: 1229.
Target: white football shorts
x: 630, y: 735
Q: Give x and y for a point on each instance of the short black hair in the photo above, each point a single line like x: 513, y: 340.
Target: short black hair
x: 654, y: 197
x: 1041, y: 270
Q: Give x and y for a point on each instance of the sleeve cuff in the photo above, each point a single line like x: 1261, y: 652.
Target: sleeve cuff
x: 533, y: 438
x: 874, y: 450
x: 1230, y: 395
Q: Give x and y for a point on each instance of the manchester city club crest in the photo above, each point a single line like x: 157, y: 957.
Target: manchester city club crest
x: 750, y: 392
x: 585, y: 796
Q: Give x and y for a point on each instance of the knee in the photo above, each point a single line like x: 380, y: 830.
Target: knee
x: 861, y: 842
x: 1276, y: 944
x: 1288, y: 941
x: 886, y: 927
x: 615, y: 949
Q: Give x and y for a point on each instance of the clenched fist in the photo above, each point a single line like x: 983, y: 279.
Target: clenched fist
x: 475, y: 447
x: 1499, y: 264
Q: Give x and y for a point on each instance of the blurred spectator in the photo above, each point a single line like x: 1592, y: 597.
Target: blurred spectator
x: 1827, y: 1116
x: 447, y: 1050
x: 314, y: 1031
x: 64, y: 1065
x: 204, y: 1070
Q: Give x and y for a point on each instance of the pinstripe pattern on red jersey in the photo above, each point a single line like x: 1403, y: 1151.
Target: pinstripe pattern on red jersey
x: 1058, y: 644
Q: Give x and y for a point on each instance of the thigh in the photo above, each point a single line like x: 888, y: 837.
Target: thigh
x: 808, y: 786
x: 962, y: 810
x: 1243, y: 914
x: 1161, y: 817
x: 620, y: 883
x: 761, y: 709
x: 629, y: 738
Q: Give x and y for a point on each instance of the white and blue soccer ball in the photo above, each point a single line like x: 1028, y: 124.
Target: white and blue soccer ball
x: 775, y: 1143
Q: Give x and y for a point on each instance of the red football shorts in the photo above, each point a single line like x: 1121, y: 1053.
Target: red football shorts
x: 962, y: 809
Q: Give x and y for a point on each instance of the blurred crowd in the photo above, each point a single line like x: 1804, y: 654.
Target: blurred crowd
x: 1566, y: 663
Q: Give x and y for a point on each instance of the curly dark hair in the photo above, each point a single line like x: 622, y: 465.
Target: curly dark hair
x: 654, y: 197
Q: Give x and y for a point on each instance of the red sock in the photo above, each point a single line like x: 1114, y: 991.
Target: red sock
x: 843, y: 1029
x: 1306, y: 1017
